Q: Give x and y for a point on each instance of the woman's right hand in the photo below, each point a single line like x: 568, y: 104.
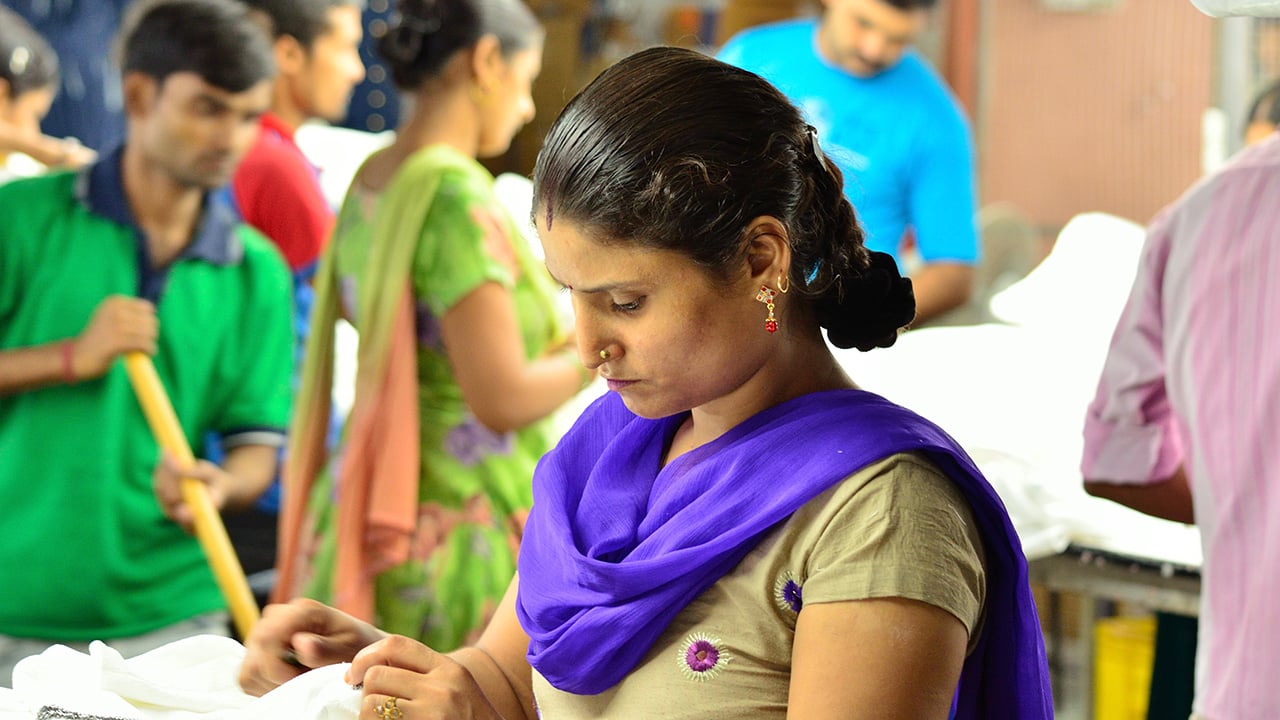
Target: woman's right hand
x: 402, y: 673
x: 295, y: 637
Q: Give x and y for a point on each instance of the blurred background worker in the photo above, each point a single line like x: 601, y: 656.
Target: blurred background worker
x: 135, y: 254
x: 28, y: 84
x: 277, y: 191
x: 416, y: 519
x: 891, y: 124
x: 1264, y: 115
x: 89, y: 106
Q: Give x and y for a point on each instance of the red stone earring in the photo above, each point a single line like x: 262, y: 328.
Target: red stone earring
x: 766, y: 296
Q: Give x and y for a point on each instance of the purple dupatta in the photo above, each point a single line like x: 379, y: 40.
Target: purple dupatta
x: 617, y: 545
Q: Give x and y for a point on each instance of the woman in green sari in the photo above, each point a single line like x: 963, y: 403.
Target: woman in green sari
x: 414, y: 522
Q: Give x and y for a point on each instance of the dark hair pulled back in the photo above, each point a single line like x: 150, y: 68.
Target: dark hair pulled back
x: 1266, y: 106
x: 674, y: 150
x: 426, y: 33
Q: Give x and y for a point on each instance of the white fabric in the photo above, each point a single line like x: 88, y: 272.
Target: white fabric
x: 515, y: 192
x: 338, y: 153
x: 1014, y: 394
x: 191, y: 679
x: 1228, y: 8
x: 1082, y: 285
x: 18, y: 166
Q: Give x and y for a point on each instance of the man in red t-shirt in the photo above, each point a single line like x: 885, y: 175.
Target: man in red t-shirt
x: 317, y: 51
x: 277, y: 190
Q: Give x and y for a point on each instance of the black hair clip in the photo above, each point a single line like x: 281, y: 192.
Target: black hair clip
x: 813, y: 140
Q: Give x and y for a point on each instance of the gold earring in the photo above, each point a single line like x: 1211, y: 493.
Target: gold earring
x: 784, y: 283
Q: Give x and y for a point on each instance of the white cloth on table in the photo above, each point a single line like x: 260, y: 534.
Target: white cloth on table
x: 1014, y: 393
x: 191, y: 679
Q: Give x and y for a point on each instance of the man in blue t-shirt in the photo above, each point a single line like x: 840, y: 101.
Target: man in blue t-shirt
x: 890, y: 123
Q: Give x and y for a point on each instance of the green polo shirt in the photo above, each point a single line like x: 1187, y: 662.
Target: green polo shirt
x: 85, y: 552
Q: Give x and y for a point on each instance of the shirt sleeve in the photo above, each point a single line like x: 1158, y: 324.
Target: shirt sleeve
x: 1130, y: 434
x: 257, y: 411
x: 942, y: 195
x: 900, y: 529
x: 278, y: 194
x: 463, y: 245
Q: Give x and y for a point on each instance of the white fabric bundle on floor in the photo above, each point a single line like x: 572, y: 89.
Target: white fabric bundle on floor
x: 192, y: 679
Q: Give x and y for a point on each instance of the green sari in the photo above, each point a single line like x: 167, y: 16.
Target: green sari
x: 473, y: 485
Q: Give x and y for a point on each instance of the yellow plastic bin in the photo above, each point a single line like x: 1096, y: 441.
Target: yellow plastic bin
x: 1124, y: 650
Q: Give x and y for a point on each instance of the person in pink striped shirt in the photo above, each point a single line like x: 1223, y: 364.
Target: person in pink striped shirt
x: 1186, y: 421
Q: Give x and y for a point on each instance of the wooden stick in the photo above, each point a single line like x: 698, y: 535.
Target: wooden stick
x: 210, y: 531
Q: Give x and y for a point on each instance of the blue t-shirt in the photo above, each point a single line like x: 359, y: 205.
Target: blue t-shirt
x: 899, y: 137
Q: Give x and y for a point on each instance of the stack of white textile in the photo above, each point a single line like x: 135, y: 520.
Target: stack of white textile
x: 191, y: 679
x: 1015, y: 393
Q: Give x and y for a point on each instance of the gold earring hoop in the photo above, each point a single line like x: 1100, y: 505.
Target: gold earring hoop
x: 605, y: 354
x: 784, y: 283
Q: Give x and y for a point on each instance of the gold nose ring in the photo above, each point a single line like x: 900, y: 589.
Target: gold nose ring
x: 604, y: 354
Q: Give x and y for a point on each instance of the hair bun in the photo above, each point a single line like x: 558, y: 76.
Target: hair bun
x: 415, y: 21
x: 874, y: 308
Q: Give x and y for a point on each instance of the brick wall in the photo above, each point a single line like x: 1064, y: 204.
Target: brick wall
x: 1091, y: 111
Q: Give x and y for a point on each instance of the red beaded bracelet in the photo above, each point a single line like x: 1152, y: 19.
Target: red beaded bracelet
x: 68, y: 372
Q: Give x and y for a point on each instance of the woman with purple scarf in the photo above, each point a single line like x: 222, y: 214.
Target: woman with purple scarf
x: 735, y: 530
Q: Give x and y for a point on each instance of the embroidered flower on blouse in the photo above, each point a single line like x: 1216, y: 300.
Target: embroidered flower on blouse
x: 702, y: 657
x: 470, y: 442
x: 788, y: 593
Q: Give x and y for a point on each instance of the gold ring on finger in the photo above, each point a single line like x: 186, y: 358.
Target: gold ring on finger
x: 389, y: 710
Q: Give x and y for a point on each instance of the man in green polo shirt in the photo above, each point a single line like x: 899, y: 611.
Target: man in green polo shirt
x: 136, y: 253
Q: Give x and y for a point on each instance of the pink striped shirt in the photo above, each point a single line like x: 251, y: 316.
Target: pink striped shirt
x: 1193, y: 379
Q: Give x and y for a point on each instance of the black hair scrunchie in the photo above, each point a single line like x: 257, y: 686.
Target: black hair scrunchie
x: 876, y: 305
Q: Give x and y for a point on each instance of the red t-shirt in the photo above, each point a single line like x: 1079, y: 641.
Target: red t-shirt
x: 278, y: 192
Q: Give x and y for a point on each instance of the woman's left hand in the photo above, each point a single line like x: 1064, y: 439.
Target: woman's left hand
x: 404, y: 679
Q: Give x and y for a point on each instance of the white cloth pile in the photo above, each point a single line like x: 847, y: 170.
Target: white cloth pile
x: 191, y: 679
x: 1015, y: 393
